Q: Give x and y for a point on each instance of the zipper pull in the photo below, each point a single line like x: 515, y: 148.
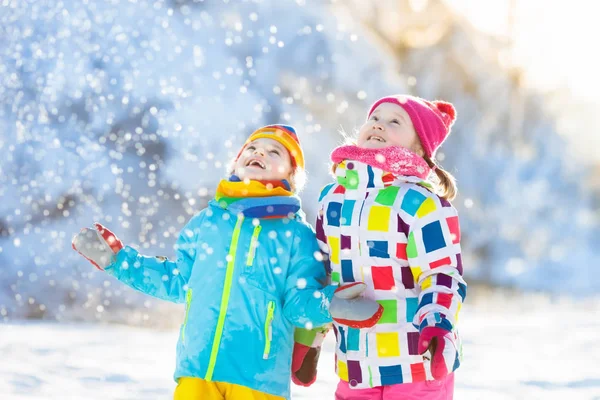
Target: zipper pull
x: 253, y: 245
x: 269, y: 329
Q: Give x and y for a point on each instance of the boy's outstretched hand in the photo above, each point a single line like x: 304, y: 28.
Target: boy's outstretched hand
x: 349, y: 308
x: 98, y: 245
x: 442, y: 349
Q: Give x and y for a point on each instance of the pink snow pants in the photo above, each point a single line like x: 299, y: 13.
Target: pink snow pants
x: 428, y: 390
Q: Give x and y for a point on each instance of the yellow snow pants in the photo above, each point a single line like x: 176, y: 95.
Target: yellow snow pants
x: 199, y: 389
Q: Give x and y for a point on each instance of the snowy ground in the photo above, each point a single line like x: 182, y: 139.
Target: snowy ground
x: 525, y: 348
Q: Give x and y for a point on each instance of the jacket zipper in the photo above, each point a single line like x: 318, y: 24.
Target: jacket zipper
x: 224, y: 299
x: 269, y: 329
x: 360, y: 214
x: 188, y: 301
x: 253, y: 245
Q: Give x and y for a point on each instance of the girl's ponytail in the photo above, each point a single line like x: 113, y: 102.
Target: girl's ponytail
x: 445, y: 182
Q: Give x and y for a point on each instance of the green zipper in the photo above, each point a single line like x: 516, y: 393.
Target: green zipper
x: 224, y: 299
x: 253, y: 244
x: 269, y: 329
x: 188, y: 300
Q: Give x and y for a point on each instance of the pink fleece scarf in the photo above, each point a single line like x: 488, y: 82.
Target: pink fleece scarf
x: 394, y: 159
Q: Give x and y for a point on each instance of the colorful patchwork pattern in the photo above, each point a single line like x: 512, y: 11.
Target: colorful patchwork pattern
x: 387, y: 196
x: 379, y: 218
x: 378, y: 248
x: 347, y: 210
x: 387, y: 344
x: 404, y: 242
x: 412, y: 304
x: 401, y: 251
x: 334, y: 214
x: 347, y: 271
x: 354, y: 372
x: 390, y: 311
x: 413, y: 343
x: 391, y: 375
x: 353, y: 339
x: 383, y: 277
x: 411, y: 201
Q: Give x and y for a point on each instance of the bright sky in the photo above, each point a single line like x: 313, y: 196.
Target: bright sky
x: 555, y: 40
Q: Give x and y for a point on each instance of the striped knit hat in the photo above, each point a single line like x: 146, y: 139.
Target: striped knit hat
x: 284, y: 134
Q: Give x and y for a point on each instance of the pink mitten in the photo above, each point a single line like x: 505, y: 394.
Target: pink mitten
x: 349, y: 308
x: 442, y: 348
x: 97, y: 245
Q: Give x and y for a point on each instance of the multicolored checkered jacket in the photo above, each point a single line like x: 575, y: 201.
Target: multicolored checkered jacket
x: 402, y: 240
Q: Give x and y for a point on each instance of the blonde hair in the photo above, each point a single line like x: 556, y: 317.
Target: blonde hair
x: 444, y: 183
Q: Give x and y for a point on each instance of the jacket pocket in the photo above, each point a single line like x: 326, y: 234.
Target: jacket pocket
x: 269, y: 329
x: 259, y: 270
x: 188, y: 301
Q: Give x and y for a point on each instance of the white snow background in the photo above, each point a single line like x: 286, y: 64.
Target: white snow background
x: 516, y: 347
x: 127, y: 111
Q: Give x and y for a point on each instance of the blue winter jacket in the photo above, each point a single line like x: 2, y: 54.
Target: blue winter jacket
x: 246, y: 283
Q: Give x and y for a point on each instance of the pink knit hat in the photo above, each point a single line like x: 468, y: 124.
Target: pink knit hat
x: 432, y: 119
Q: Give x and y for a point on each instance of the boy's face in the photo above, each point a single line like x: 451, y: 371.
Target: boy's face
x: 389, y: 125
x: 264, y: 159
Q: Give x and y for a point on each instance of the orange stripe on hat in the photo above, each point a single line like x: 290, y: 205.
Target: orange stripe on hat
x: 284, y: 134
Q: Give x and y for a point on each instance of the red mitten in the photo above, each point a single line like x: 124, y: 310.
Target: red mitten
x: 97, y: 245
x: 307, y: 348
x: 442, y: 347
x: 349, y: 308
x: 304, y: 364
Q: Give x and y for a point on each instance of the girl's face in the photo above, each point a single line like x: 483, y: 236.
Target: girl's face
x: 264, y: 159
x: 389, y: 125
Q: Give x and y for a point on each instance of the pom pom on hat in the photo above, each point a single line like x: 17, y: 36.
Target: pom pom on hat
x: 447, y: 110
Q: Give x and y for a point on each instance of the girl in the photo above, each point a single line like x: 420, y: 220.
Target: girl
x: 382, y: 223
x: 247, y: 272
